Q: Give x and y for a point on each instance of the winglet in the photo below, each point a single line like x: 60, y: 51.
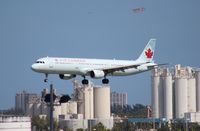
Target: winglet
x: 148, y: 52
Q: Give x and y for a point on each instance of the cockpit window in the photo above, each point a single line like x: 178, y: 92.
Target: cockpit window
x: 40, y: 62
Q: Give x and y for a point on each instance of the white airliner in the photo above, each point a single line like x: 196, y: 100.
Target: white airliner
x: 68, y: 68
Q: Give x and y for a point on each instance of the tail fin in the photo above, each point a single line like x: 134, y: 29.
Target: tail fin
x: 148, y: 52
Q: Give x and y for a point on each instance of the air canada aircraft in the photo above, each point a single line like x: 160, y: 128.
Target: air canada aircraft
x: 68, y: 68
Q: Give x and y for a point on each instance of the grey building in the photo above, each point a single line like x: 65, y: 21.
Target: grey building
x: 118, y: 99
x: 22, y: 99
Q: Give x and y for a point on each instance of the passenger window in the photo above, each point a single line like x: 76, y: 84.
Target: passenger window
x: 42, y: 62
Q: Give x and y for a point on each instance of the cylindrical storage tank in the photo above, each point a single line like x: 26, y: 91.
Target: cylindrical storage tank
x: 80, y: 108
x: 57, y: 112
x: 44, y: 108
x: 197, y: 76
x: 29, y: 109
x: 168, y: 94
x: 181, y: 100
x: 155, y: 86
x: 72, y: 107
x: 88, y: 102
x: 36, y: 109
x: 102, y: 102
x: 191, y: 95
x: 80, y: 102
x: 64, y: 108
x: 161, y: 98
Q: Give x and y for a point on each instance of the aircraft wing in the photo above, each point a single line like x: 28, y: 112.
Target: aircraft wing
x: 120, y: 68
x: 157, y: 65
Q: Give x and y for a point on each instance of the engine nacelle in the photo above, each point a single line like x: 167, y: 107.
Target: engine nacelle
x: 66, y: 76
x: 97, y: 74
x: 142, y: 67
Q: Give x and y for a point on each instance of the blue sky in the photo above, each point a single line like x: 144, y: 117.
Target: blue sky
x: 93, y: 29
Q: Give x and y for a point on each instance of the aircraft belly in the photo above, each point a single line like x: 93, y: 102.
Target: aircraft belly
x: 64, y: 69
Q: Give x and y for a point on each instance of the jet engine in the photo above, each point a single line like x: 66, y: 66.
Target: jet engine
x: 66, y: 76
x: 142, y: 67
x: 97, y: 74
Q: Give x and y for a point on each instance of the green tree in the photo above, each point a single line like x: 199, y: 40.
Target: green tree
x: 67, y: 129
x: 137, y: 110
x: 43, y: 124
x: 194, y: 127
x: 118, y: 127
x: 56, y: 126
x: 80, y: 129
x: 39, y: 123
x: 177, y: 126
x: 99, y: 127
x: 164, y: 128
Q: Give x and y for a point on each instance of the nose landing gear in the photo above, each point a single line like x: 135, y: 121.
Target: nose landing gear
x: 46, y: 78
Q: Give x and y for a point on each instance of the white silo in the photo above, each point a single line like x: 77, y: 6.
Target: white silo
x: 168, y: 94
x: 161, y: 98
x: 181, y: 101
x: 197, y: 76
x: 64, y: 108
x: 44, y: 108
x: 88, y: 102
x: 80, y: 100
x: 191, y: 95
x: 102, y: 102
x: 155, y: 88
x: 36, y: 109
x: 84, y: 96
x: 78, y: 95
x: 29, y: 109
x: 72, y: 107
x: 56, y: 112
x: 80, y: 107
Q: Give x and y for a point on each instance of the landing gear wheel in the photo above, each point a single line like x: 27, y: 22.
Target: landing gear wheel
x: 46, y: 80
x: 105, y: 81
x: 84, y: 81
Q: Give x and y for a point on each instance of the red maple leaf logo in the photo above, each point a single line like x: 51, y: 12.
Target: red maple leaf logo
x: 149, y: 53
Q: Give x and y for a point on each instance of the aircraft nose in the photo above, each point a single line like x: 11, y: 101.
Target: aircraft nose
x: 34, y: 67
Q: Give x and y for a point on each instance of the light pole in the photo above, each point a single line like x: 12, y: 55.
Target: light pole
x: 51, y: 107
x: 186, y: 123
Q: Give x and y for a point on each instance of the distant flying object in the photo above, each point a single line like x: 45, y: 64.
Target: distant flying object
x: 139, y: 10
x: 69, y: 68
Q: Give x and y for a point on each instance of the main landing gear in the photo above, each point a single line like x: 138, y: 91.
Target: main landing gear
x: 105, y: 81
x: 46, y: 78
x: 85, y: 81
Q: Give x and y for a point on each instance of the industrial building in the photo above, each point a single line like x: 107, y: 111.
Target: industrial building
x: 90, y: 104
x: 93, y: 105
x: 118, y: 99
x: 21, y: 100
x: 15, y: 123
x: 175, y: 93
